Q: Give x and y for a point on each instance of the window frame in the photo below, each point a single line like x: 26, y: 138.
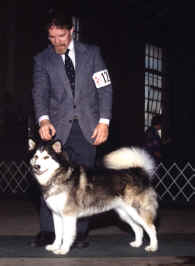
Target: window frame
x: 155, y: 83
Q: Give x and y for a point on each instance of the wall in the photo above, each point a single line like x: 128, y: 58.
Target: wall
x: 121, y: 36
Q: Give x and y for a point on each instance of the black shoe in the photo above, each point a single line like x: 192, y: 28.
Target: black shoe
x: 42, y: 239
x: 81, y: 242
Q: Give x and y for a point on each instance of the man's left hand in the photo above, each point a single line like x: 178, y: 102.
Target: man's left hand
x: 100, y: 134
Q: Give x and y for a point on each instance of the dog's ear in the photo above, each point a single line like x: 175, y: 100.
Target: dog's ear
x: 57, y: 146
x: 31, y: 144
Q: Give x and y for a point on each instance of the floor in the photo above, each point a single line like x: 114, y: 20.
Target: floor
x: 20, y: 218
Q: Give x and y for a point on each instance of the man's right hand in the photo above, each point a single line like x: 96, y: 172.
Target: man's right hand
x: 46, y: 130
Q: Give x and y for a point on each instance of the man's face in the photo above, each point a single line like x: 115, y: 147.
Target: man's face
x: 60, y: 38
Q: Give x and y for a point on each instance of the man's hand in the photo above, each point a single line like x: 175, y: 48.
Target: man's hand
x: 46, y: 130
x: 100, y: 134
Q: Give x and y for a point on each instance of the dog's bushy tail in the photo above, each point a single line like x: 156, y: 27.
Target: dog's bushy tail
x: 129, y: 157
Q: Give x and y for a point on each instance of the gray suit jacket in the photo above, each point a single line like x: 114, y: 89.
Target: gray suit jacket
x: 52, y: 93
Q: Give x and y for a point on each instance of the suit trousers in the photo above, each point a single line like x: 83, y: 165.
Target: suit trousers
x: 79, y: 151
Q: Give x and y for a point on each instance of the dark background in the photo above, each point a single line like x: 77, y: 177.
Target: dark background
x: 121, y: 29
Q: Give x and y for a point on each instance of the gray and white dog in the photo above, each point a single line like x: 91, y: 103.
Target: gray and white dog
x: 72, y: 191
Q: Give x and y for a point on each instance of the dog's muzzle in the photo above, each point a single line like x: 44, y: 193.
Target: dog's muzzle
x: 37, y: 171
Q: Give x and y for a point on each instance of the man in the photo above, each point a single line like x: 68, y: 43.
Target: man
x: 153, y: 142
x: 156, y: 144
x: 72, y: 97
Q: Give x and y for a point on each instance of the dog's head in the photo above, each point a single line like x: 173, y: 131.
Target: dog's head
x: 45, y: 160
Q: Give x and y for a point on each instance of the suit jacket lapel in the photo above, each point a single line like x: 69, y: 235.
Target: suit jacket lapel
x: 80, y: 60
x: 78, y: 56
x: 58, y: 65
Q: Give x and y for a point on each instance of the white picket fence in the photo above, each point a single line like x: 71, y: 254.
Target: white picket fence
x: 173, y: 182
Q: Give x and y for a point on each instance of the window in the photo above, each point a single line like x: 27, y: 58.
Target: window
x: 154, y: 82
x: 76, y: 28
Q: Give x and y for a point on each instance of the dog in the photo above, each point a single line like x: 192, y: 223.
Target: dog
x: 73, y: 191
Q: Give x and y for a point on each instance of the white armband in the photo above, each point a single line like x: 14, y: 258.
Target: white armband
x: 101, y: 78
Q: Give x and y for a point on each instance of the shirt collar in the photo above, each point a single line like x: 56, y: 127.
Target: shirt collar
x: 71, y: 46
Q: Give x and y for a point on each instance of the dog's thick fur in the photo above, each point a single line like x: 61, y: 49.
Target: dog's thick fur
x: 71, y: 191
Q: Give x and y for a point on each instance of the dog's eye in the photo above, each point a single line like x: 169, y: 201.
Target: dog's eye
x: 46, y: 157
x: 35, y: 157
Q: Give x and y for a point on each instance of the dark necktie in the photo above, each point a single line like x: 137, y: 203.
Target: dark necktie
x: 70, y: 70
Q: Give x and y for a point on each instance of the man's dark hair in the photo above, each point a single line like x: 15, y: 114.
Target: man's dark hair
x: 59, y: 19
x: 156, y: 120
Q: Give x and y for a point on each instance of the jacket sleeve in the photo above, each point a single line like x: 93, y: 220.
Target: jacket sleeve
x: 41, y: 88
x: 105, y: 89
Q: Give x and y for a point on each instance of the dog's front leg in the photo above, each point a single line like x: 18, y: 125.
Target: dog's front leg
x: 58, y: 226
x: 69, y: 234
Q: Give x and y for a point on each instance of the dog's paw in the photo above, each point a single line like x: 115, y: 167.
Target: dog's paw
x: 61, y: 251
x: 52, y: 247
x: 151, y: 248
x: 135, y: 244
